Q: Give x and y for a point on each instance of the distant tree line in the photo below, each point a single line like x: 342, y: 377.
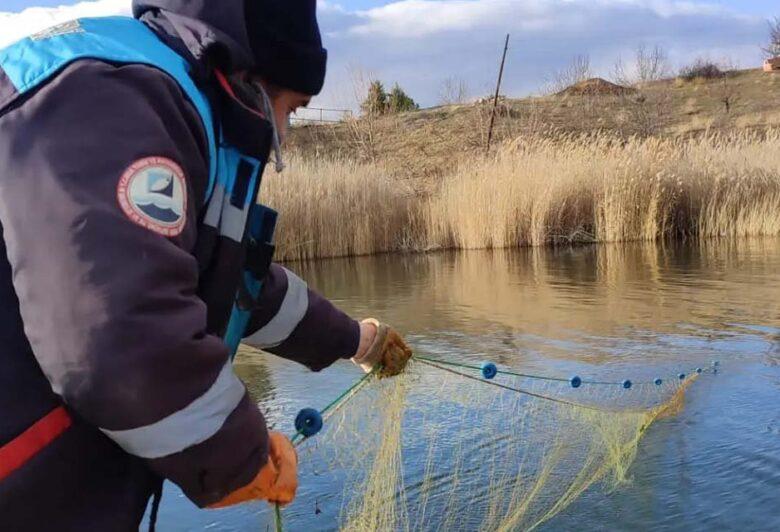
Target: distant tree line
x: 380, y: 102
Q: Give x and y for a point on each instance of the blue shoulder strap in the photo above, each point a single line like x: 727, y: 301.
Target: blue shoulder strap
x: 34, y: 60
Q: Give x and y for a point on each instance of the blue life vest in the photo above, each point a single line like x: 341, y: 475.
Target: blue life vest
x: 33, y: 61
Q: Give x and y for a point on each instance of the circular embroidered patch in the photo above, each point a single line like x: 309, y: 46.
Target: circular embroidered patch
x: 153, y: 194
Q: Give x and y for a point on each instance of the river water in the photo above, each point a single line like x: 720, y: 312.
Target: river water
x: 590, y: 310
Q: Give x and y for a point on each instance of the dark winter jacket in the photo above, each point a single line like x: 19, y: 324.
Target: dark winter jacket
x: 115, y: 321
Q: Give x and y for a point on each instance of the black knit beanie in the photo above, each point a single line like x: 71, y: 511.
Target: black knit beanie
x: 286, y: 43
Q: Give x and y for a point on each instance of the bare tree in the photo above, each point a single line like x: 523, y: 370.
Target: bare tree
x: 653, y: 64
x: 726, y: 93
x: 773, y: 48
x: 453, y: 91
x: 576, y: 71
x: 361, y: 81
x: 649, y: 65
x: 362, y: 129
x: 641, y: 114
x: 621, y: 75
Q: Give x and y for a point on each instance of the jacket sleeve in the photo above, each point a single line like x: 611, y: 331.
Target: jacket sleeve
x: 297, y: 323
x: 109, y: 304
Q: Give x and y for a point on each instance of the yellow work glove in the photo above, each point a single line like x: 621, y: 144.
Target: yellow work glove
x: 381, y: 345
x: 277, y: 480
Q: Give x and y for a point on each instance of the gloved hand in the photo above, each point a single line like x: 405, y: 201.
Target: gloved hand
x: 381, y: 344
x: 277, y: 480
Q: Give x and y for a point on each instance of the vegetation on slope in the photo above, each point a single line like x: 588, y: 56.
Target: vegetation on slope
x: 421, y: 147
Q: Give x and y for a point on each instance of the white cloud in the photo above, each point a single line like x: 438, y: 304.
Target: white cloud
x: 14, y: 26
x: 419, y: 43
x: 418, y: 18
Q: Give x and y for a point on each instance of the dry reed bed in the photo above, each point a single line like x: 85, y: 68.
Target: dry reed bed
x: 535, y: 192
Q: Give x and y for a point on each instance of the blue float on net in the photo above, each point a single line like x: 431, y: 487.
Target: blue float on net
x: 627, y: 384
x: 659, y: 381
x: 698, y: 370
x: 575, y: 381
x: 681, y: 376
x: 489, y: 370
x: 308, y: 422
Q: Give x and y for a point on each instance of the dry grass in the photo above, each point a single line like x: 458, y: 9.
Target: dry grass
x: 422, y: 147
x: 539, y: 191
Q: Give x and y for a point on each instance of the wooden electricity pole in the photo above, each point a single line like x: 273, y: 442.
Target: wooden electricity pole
x: 498, y: 89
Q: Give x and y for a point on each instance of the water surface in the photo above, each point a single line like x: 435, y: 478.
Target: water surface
x: 640, y: 310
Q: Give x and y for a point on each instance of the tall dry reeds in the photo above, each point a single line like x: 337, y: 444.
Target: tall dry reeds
x: 600, y: 189
x: 539, y: 191
x: 336, y: 208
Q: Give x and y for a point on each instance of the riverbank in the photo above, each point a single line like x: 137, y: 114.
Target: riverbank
x: 534, y: 191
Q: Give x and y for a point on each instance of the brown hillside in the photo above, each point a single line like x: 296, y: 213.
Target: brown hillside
x: 596, y: 87
x: 422, y: 146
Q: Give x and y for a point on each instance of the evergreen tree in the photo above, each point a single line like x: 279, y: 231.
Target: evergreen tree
x: 376, y: 100
x: 398, y: 101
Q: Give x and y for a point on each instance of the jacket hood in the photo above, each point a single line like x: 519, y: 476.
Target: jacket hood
x: 211, y: 30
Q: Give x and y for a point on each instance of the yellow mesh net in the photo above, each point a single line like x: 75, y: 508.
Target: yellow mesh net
x: 443, y: 448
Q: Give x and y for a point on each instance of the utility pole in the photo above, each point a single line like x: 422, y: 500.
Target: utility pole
x: 498, y: 89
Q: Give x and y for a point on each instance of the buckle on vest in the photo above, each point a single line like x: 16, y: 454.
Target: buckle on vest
x: 259, y: 256
x: 244, y: 300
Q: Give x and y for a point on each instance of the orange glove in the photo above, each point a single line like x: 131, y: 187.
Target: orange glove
x: 387, y: 348
x: 277, y: 480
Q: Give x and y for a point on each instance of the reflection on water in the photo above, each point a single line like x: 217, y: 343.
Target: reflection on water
x: 257, y: 378
x: 637, y: 310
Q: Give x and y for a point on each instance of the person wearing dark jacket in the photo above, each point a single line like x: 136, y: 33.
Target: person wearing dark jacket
x: 131, y: 152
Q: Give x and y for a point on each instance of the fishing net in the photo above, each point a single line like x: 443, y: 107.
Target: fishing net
x: 442, y: 447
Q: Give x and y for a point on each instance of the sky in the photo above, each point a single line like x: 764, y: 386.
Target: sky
x: 421, y: 43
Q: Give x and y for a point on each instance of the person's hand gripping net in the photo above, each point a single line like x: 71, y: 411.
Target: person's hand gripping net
x: 277, y: 480
x: 383, y: 346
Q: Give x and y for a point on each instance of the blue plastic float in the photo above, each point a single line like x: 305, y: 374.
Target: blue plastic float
x: 308, y: 422
x: 489, y: 370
